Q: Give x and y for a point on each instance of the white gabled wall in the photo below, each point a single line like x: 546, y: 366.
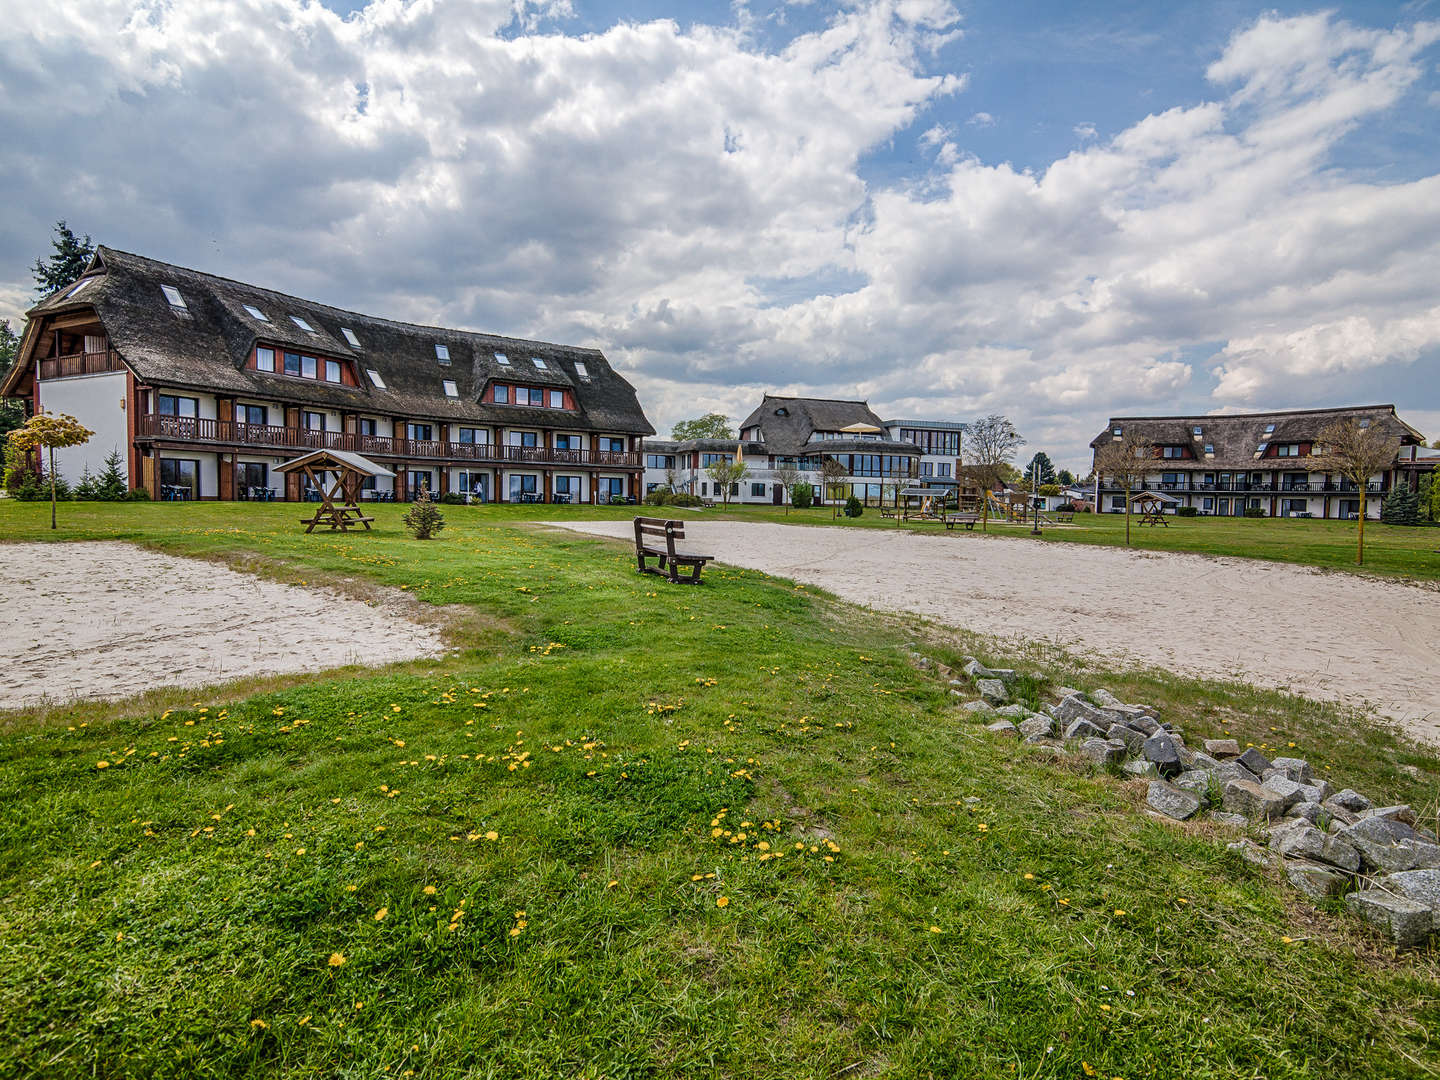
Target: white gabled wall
x: 98, y: 402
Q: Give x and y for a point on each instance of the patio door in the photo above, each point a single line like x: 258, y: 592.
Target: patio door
x: 1224, y: 507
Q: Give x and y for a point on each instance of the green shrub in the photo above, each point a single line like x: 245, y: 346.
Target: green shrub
x: 138, y: 495
x: 454, y: 498
x: 424, y: 519
x: 1254, y: 512
x: 853, y: 507
x: 801, y: 496
x: 1187, y: 511
x: 1401, y: 507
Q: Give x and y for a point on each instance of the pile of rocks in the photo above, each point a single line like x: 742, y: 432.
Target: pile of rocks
x: 1327, y: 843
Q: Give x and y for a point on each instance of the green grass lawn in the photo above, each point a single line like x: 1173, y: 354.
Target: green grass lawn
x: 630, y: 829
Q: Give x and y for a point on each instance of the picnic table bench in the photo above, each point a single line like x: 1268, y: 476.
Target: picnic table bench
x: 887, y: 512
x: 655, y: 539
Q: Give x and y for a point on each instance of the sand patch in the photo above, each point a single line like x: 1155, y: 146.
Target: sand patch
x: 1336, y: 636
x: 110, y: 620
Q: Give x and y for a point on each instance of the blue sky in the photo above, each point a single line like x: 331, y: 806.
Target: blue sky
x: 1057, y: 211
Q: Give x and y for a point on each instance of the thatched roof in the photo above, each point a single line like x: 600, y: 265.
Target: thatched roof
x: 205, y: 347
x: 788, y: 424
x: 1241, y: 441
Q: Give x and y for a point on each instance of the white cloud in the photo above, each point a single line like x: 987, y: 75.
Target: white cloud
x: 663, y: 193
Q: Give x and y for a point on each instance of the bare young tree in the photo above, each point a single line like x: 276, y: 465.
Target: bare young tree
x: 725, y: 473
x: 990, y: 444
x: 1354, y: 453
x: 787, y: 476
x: 1125, y: 461
x: 832, y: 473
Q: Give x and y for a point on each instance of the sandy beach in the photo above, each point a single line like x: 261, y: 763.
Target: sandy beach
x: 1327, y: 635
x: 109, y: 620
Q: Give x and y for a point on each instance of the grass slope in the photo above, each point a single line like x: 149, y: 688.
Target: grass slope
x: 635, y: 830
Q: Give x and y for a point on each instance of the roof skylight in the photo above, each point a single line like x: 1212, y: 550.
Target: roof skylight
x: 173, y: 297
x: 451, y: 390
x: 298, y: 321
x: 581, y: 370
x: 538, y: 363
x: 1269, y: 429
x: 256, y: 313
x: 350, y: 336
x: 376, y: 379
x: 442, y: 353
x: 78, y: 286
x: 1198, y: 431
x: 501, y: 358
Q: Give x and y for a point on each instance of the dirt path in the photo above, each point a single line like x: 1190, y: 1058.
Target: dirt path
x: 109, y: 620
x: 1321, y: 634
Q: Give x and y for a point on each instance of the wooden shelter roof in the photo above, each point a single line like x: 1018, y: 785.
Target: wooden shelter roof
x: 326, y: 460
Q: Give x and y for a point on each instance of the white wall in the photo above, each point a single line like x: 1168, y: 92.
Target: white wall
x: 98, y: 402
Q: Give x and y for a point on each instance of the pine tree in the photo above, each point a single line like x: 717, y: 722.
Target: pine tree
x: 1401, y: 507
x: 424, y: 519
x: 72, y: 255
x: 110, y: 484
x: 87, y: 490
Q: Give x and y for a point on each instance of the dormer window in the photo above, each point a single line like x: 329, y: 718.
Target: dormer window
x: 375, y: 379
x: 332, y: 370
x: 782, y: 411
x: 501, y: 358
x: 1210, y: 448
x: 1197, y: 432
x: 302, y: 324
x: 442, y: 353
x: 1269, y: 429
x: 451, y: 390
x: 256, y: 313
x: 1364, y: 424
x: 349, y: 336
x: 581, y: 370
x: 173, y: 297
x: 1117, y: 431
x: 539, y: 364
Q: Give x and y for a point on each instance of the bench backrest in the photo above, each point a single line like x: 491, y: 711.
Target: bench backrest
x: 661, y: 528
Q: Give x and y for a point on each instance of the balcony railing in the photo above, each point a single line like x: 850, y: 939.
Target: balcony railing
x: 90, y: 363
x: 1303, y: 487
x: 268, y: 436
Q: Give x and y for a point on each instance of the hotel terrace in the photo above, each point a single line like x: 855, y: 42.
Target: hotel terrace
x: 1226, y: 465
x: 204, y: 385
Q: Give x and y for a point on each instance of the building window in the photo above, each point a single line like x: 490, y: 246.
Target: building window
x: 250, y: 414
x: 942, y: 469
x: 264, y: 359
x: 706, y: 460
x: 567, y: 485
x: 292, y: 363
x: 1117, y: 502
x: 757, y: 491
x: 451, y: 390
x: 502, y: 394
x: 250, y: 476
x: 375, y: 378
x: 420, y: 432
x: 1209, y: 448
x: 557, y: 399
x: 332, y: 370
x: 567, y: 442
x: 419, y: 480
x: 350, y: 336
x: 526, y: 438
x: 181, y: 477
x: 501, y: 358
x: 540, y: 364
x: 582, y: 371
x: 173, y: 297
x: 1173, y: 451
x: 366, y: 426
x: 256, y: 313
x: 527, y: 485
x: 617, y: 446
x: 312, y: 421
x: 442, y: 353
x: 179, y: 406
x: 298, y: 321
x: 308, y: 365
x: 1197, y: 432
x: 469, y: 436
x: 614, y: 486
x: 704, y: 488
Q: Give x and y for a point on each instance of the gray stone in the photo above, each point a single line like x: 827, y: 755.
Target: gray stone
x: 1422, y: 886
x: 1203, y: 760
x: 1048, y: 749
x: 980, y: 708
x: 1225, y: 771
x: 1172, y: 801
x: 1427, y: 855
x: 1082, y: 729
x: 1338, y: 815
x: 1383, y: 844
x: 1299, y: 840
x: 1105, y: 699
x: 1042, y: 726
x: 1076, y: 708
x: 1222, y: 748
x: 1297, y: 769
x: 1053, y: 711
x: 1253, y: 853
x: 1102, y: 751
x: 1308, y: 811
x: 1133, y: 740
x: 1255, y: 761
x: 1148, y: 724
x: 1004, y: 674
x: 993, y: 691
x: 1316, y: 880
x: 1404, y: 921
x: 1222, y: 817
x: 1004, y: 728
x: 1316, y: 791
x: 1016, y: 712
x: 1068, y: 691
x: 1349, y: 800
x: 1402, y: 814
x: 1248, y: 798
x: 1195, y: 781
x: 1160, y: 750
x: 1140, y: 769
x: 975, y: 669
x: 1287, y: 791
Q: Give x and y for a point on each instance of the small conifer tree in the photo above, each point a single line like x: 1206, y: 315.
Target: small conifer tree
x: 424, y: 519
x: 110, y: 484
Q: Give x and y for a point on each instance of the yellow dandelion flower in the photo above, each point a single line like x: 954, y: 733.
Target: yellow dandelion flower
x: 492, y: 835
x: 1119, y: 911
x: 102, y: 764
x: 429, y: 890
x: 722, y: 901
x: 259, y: 1025
x: 1029, y: 877
x: 380, y: 915
x: 934, y: 930
x: 337, y: 959
x: 611, y: 884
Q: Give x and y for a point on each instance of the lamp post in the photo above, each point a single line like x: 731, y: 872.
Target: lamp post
x: 1034, y: 494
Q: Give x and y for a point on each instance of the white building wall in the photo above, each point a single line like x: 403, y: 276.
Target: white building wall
x: 98, y: 402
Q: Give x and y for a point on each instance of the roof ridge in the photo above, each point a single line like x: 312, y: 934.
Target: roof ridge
x: 99, y: 248
x: 1254, y: 415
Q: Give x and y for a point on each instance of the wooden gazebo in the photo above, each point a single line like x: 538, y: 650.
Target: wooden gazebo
x: 337, y: 476
x: 1151, y: 506
x: 923, y: 502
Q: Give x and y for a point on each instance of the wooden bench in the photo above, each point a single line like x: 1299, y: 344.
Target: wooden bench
x: 1064, y: 517
x: 968, y: 520
x: 655, y: 539
x: 707, y: 504
x: 887, y: 512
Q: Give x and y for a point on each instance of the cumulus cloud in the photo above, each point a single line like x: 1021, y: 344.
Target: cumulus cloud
x: 695, y: 202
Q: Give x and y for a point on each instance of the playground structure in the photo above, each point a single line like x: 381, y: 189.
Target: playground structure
x: 335, y: 475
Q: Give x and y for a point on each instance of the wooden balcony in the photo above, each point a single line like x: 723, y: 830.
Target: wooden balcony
x: 268, y: 438
x: 94, y: 363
